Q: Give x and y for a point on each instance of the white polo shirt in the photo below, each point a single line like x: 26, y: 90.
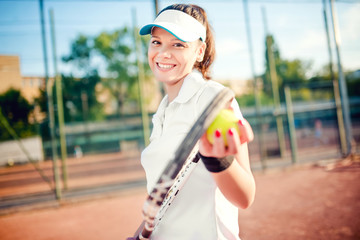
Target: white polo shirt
x: 199, y: 211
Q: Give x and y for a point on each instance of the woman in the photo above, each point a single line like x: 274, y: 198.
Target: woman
x: 180, y: 54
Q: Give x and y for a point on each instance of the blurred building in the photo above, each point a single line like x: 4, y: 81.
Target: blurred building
x: 29, y: 86
x: 10, y: 77
x: 239, y: 86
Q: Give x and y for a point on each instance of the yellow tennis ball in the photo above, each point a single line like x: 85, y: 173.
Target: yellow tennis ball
x: 225, y: 120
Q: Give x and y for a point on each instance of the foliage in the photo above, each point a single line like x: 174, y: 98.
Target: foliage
x: 41, y: 100
x: 16, y: 110
x: 117, y: 49
x: 289, y: 72
x: 116, y: 53
x: 248, y: 100
x: 111, y: 53
x: 79, y: 96
x: 79, y: 93
x: 294, y: 74
x: 353, y: 84
x: 80, y: 54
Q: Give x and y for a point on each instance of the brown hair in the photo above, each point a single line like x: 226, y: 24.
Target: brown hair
x: 199, y: 14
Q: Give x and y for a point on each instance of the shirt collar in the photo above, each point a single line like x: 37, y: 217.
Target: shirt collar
x: 192, y: 83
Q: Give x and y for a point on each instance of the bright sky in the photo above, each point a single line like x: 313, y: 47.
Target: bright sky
x: 297, y: 25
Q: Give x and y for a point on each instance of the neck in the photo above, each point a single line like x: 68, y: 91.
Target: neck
x: 173, y: 90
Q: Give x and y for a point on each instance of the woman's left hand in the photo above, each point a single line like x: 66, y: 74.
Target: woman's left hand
x: 234, y: 141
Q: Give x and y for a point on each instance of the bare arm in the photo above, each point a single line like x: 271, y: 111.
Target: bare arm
x: 236, y: 182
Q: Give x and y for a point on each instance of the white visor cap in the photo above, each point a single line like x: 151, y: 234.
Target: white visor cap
x: 180, y: 24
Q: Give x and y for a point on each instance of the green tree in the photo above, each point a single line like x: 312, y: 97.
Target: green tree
x: 352, y: 79
x: 111, y: 53
x: 80, y: 55
x: 289, y: 72
x: 79, y: 93
x: 117, y: 50
x: 353, y: 84
x: 293, y: 71
x: 79, y: 96
x: 113, y: 47
x: 16, y: 110
x: 248, y: 100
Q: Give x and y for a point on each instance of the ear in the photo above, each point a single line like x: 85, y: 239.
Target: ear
x: 201, y: 52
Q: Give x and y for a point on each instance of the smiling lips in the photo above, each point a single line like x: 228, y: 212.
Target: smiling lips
x: 165, y: 66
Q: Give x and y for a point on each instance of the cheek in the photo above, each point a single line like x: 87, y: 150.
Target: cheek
x: 190, y: 60
x: 150, y: 58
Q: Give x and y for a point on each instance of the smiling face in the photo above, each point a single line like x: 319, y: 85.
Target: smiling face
x: 171, y: 59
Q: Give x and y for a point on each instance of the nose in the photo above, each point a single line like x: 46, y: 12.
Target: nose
x: 164, y: 52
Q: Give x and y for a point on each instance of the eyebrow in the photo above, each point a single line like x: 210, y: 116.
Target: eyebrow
x: 173, y: 39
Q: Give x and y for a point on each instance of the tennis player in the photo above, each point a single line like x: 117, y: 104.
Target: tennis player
x: 180, y: 54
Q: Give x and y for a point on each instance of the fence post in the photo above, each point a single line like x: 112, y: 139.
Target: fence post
x: 259, y: 119
x: 275, y: 89
x: 50, y: 104
x: 141, y: 79
x: 342, y: 83
x: 59, y: 103
x: 291, y: 124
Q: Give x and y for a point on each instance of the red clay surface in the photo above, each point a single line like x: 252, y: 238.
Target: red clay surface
x: 92, y: 170
x: 303, y: 202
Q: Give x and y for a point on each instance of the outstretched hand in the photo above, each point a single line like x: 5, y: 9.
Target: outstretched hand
x: 218, y: 148
x: 246, y: 132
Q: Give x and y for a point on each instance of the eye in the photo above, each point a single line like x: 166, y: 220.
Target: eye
x: 179, y: 45
x: 155, y: 42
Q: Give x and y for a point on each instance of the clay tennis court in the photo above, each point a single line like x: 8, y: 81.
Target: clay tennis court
x: 298, y: 202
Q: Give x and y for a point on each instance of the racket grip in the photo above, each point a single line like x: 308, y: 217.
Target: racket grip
x: 142, y: 233
x: 139, y: 230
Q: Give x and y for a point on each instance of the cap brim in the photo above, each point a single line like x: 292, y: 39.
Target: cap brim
x: 182, y: 34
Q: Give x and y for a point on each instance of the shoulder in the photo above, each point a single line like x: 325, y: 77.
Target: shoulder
x: 209, y: 91
x: 213, y: 87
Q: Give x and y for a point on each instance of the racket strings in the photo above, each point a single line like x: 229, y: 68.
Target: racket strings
x: 178, y: 183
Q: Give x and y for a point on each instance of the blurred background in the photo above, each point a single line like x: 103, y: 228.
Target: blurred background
x: 77, y: 95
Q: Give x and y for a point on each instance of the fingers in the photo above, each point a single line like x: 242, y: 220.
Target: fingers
x: 219, y: 149
x: 219, y: 145
x: 205, y: 147
x: 233, y: 141
x: 246, y: 132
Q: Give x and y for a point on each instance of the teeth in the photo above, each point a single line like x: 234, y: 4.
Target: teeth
x: 165, y: 66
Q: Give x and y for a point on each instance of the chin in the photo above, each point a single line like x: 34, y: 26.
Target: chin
x: 164, y: 77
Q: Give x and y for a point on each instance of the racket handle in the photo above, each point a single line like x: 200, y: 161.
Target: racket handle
x: 142, y: 232
x: 144, y: 235
x: 139, y: 230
